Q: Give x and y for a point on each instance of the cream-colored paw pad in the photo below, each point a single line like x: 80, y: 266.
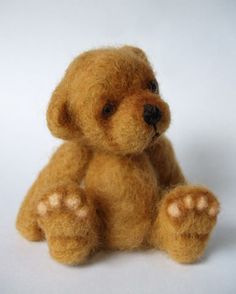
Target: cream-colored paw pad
x: 55, y: 202
x: 82, y: 213
x: 72, y: 202
x: 42, y: 208
x: 174, y: 210
x: 179, y: 207
x: 188, y: 202
x: 213, y: 210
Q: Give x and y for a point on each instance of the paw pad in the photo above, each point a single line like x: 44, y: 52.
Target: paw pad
x: 188, y: 201
x: 72, y: 203
x: 82, y: 213
x: 202, y: 203
x: 178, y: 207
x: 213, y: 210
x: 42, y: 208
x: 174, y: 210
x: 55, y: 202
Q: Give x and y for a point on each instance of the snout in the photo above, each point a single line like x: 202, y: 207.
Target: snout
x: 139, y: 121
x: 151, y: 114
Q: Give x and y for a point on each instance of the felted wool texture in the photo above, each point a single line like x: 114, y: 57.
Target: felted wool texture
x: 134, y: 194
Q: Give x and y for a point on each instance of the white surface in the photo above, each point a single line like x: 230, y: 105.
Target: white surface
x: 192, y: 45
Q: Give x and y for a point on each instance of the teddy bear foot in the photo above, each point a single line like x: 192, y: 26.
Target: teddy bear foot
x: 186, y: 219
x: 70, y: 227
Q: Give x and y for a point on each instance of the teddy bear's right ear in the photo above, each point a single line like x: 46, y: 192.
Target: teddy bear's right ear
x: 59, y: 116
x: 137, y: 51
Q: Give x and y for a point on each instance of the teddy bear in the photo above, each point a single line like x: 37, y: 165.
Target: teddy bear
x: 114, y: 183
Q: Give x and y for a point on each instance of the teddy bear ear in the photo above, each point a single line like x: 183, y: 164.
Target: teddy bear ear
x: 137, y: 51
x: 59, y: 117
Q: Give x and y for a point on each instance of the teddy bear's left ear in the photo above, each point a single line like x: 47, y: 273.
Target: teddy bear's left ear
x: 59, y: 116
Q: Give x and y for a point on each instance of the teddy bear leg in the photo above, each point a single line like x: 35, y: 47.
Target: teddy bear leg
x: 26, y: 222
x: 185, y: 220
x: 70, y: 224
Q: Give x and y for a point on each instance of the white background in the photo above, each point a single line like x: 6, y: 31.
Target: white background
x: 192, y: 45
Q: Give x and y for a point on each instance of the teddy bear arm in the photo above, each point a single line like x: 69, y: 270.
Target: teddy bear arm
x: 64, y: 172
x: 166, y: 165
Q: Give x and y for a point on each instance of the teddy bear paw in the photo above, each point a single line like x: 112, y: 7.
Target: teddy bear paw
x: 192, y: 211
x: 190, y: 215
x: 69, y: 223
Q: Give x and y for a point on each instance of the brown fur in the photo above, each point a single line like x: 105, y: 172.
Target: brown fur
x: 134, y: 193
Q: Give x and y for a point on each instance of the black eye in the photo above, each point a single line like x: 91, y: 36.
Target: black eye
x: 108, y: 109
x: 153, y: 86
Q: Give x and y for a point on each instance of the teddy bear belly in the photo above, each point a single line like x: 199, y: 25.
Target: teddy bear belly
x: 125, y: 191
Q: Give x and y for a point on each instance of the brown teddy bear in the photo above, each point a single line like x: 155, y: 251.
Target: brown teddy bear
x: 115, y: 183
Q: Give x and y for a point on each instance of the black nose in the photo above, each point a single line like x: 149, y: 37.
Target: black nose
x: 151, y: 114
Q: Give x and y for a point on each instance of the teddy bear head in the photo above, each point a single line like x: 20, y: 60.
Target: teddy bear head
x: 109, y: 100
